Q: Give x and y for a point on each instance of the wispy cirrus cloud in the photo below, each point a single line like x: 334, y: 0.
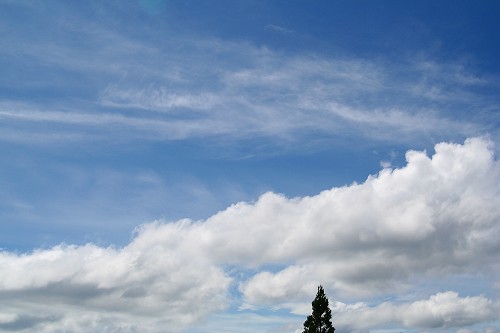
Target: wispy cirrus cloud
x: 302, y: 97
x: 277, y: 28
x: 184, y: 88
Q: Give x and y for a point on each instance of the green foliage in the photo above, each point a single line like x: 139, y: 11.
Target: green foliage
x: 320, y: 321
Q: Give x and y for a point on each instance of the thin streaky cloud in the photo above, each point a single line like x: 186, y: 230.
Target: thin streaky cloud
x: 281, y: 100
x: 305, y: 94
x: 277, y: 28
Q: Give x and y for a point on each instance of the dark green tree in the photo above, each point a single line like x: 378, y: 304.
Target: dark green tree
x: 320, y: 321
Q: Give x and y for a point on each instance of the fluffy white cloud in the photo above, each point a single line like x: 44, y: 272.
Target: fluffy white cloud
x: 443, y: 310
x: 433, y: 218
x: 153, y: 282
x: 436, y: 216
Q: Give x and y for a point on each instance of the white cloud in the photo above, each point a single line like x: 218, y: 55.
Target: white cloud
x: 277, y: 28
x: 147, y: 284
x: 443, y: 310
x: 213, y: 88
x: 158, y: 99
x: 491, y: 329
x: 120, y: 126
x: 436, y: 217
x: 270, y: 95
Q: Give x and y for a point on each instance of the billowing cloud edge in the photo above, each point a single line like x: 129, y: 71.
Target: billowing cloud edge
x: 436, y: 217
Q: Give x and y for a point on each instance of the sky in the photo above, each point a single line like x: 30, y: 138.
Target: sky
x: 202, y: 166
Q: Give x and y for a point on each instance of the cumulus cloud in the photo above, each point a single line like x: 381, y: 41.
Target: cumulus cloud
x: 145, y: 285
x: 443, y: 310
x: 434, y: 218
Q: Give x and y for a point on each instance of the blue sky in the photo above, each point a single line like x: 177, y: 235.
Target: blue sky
x: 200, y: 166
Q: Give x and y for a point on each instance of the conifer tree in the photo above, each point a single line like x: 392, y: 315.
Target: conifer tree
x: 320, y: 321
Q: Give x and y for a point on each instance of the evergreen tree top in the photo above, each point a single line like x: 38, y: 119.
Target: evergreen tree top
x: 320, y: 321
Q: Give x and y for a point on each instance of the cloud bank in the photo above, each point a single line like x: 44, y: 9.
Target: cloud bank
x: 435, y: 218
x: 443, y: 311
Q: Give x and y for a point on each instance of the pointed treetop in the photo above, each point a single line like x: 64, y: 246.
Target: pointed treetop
x: 320, y: 321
